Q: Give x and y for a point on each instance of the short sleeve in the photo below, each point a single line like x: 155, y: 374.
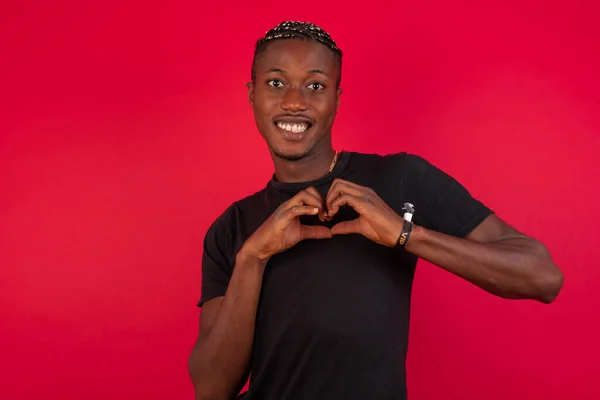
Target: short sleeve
x: 216, y: 260
x: 441, y: 202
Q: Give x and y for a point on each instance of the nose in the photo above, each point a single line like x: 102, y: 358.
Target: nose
x: 293, y: 100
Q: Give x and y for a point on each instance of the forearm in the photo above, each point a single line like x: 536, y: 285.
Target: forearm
x: 517, y: 268
x: 221, y: 358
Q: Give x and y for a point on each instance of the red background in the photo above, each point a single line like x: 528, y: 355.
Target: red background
x: 125, y: 131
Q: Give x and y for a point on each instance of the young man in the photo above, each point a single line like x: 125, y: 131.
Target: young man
x: 306, y: 284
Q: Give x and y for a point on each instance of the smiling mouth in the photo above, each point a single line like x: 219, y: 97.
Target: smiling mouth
x: 294, y: 127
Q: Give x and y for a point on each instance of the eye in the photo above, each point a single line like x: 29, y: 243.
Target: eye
x: 316, y: 86
x: 276, y: 83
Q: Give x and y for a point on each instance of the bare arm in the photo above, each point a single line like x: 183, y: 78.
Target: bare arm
x: 495, y: 257
x: 220, y: 360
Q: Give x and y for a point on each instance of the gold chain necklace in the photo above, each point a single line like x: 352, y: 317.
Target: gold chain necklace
x: 334, y: 161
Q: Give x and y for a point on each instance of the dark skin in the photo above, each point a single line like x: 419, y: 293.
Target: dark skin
x: 295, y: 82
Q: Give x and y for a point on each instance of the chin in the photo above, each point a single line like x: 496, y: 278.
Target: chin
x: 292, y: 146
x: 291, y: 150
x: 290, y: 154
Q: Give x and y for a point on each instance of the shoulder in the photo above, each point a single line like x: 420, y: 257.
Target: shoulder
x: 401, y: 163
x: 227, y: 232
x: 407, y: 173
x: 414, y: 166
x: 229, y: 221
x: 407, y: 161
x: 378, y: 161
x: 395, y: 158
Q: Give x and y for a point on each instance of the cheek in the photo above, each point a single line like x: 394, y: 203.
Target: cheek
x: 326, y: 108
x: 264, y: 100
x: 263, y: 112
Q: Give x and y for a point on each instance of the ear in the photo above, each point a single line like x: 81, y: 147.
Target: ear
x: 250, y: 87
x: 338, y: 96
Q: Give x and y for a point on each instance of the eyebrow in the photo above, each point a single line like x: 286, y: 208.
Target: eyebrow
x: 312, y: 71
x: 318, y: 71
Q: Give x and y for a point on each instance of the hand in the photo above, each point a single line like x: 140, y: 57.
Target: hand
x: 376, y: 221
x: 283, y: 230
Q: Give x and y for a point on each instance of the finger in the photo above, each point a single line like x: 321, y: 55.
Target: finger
x: 322, y: 208
x: 339, y: 188
x: 298, y: 210
x: 314, y: 232
x: 345, y: 199
x: 306, y: 198
x: 352, y: 184
x: 346, y: 227
x: 314, y: 192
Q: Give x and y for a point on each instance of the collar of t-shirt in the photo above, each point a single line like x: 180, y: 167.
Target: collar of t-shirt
x: 294, y: 187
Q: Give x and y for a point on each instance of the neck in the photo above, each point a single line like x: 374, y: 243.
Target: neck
x: 312, y: 167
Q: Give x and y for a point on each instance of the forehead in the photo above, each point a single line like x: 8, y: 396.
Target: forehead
x: 296, y: 54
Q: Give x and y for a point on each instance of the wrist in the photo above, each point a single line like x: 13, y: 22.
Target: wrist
x: 416, y: 236
x: 247, y: 256
x: 407, y: 234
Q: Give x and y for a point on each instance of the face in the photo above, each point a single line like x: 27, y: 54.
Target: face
x: 294, y: 97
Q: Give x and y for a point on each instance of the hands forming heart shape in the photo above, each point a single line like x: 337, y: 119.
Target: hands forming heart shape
x: 376, y: 221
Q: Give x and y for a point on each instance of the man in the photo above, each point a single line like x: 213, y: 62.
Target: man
x: 306, y: 284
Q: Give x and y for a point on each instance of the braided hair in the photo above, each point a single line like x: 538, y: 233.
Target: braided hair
x: 297, y: 30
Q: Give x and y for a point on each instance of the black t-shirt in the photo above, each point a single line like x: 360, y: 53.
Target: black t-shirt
x: 333, y: 314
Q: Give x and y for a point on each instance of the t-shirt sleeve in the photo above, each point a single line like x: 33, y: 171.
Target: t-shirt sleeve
x: 216, y: 260
x: 441, y: 202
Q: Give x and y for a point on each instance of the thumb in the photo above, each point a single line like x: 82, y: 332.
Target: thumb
x: 346, y: 227
x: 314, y: 232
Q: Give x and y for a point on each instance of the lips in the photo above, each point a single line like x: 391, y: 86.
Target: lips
x: 293, y: 124
x: 293, y: 127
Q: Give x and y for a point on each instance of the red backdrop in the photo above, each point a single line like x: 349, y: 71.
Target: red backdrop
x: 125, y: 131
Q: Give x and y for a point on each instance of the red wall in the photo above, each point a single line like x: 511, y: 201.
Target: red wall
x: 125, y: 131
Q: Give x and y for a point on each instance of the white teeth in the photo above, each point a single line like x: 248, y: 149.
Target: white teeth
x: 296, y: 128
